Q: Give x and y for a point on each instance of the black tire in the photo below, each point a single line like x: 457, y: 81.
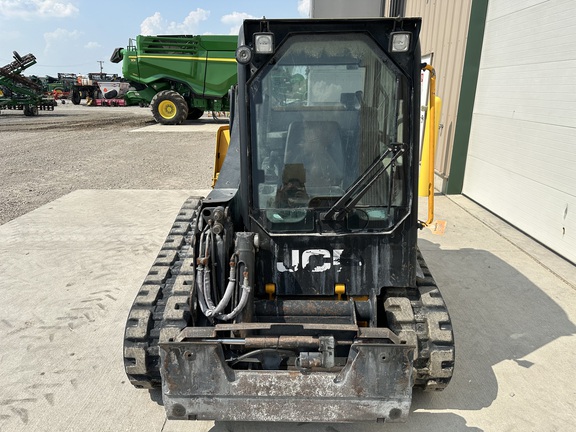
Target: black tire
x: 111, y: 94
x: 195, y: 113
x: 76, y: 98
x: 169, y: 107
x: 30, y: 110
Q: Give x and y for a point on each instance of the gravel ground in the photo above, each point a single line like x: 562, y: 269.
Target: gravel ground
x: 79, y: 147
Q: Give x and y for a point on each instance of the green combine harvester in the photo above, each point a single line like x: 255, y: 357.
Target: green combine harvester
x: 19, y: 92
x: 180, y: 77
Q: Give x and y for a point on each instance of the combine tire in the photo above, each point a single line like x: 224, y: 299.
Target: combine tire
x: 419, y: 317
x: 161, y: 308
x: 169, y: 107
x: 195, y: 114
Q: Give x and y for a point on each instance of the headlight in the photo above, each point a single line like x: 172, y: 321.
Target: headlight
x: 400, y: 42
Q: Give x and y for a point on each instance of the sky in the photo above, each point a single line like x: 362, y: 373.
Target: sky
x: 72, y: 36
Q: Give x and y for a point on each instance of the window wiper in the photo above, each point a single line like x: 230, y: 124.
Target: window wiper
x: 363, y: 183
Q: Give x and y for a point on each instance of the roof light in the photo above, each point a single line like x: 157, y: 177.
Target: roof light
x: 264, y: 43
x: 400, y: 42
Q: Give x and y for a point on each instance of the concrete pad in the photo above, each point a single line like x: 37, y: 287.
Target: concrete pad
x: 70, y: 271
x: 513, y: 309
x: 199, y: 126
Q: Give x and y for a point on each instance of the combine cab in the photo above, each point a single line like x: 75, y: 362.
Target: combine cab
x: 295, y: 291
x: 180, y: 77
x: 20, y: 92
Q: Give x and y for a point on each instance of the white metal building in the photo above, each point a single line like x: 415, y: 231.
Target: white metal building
x: 521, y: 161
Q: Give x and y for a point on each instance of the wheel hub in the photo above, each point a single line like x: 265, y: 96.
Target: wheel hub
x: 167, y: 109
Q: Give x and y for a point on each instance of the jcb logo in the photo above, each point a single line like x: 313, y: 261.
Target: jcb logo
x: 314, y: 260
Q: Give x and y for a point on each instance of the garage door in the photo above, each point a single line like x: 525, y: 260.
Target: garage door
x: 521, y: 160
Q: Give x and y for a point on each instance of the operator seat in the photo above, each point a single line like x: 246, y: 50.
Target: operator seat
x: 317, y: 145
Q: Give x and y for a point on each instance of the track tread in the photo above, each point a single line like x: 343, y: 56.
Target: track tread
x: 419, y: 317
x: 161, y: 307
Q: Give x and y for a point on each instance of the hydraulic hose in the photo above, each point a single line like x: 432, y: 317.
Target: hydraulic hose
x: 207, y: 285
x: 200, y: 288
x: 207, y: 276
x: 204, y: 282
x: 227, y: 294
x: 246, y: 289
x: 200, y: 270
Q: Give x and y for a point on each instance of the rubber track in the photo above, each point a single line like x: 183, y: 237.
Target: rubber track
x: 420, y: 317
x: 161, y: 308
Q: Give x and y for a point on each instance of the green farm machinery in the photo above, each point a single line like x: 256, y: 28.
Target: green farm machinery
x: 20, y: 92
x: 60, y: 87
x: 180, y: 76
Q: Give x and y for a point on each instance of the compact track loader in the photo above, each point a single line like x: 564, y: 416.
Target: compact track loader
x: 295, y: 290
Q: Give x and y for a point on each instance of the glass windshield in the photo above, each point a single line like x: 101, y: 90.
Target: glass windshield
x: 322, y: 115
